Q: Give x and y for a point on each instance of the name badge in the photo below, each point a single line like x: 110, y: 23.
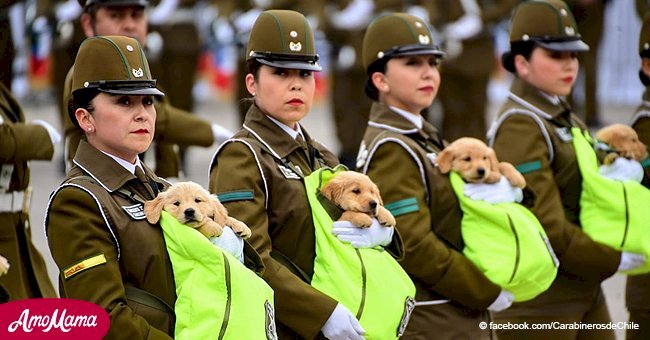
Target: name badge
x: 136, y: 211
x: 564, y: 134
x: 288, y: 173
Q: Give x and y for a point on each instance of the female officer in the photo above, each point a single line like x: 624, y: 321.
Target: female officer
x: 453, y: 294
x: 106, y: 251
x: 534, y: 132
x: 258, y: 177
x: 638, y: 287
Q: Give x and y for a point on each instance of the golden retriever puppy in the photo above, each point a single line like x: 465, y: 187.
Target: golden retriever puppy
x: 195, y: 207
x: 4, y: 265
x: 477, y: 163
x: 359, y: 197
x: 624, y: 140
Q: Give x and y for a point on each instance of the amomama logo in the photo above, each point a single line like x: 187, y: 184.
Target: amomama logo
x: 52, y: 319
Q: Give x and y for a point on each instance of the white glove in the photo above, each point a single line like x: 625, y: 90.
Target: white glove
x: 623, y: 169
x: 68, y: 11
x: 55, y: 136
x: 163, y: 11
x: 376, y: 235
x: 245, y: 21
x: 342, y: 325
x: 499, y: 192
x: 630, y: 261
x: 220, y: 133
x: 355, y: 15
x: 466, y: 27
x: 503, y: 301
x: 230, y: 243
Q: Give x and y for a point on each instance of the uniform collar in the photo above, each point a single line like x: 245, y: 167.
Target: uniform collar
x: 269, y: 133
x: 413, y: 118
x: 384, y: 117
x: 104, y: 169
x: 541, y: 103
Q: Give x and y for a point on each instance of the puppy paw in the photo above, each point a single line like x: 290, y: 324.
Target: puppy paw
x: 361, y: 220
x: 4, y: 265
x: 210, y: 229
x: 385, y: 217
x: 240, y: 228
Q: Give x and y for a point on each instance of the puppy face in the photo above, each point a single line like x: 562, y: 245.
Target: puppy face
x: 625, y: 140
x: 470, y: 157
x: 353, y: 191
x: 189, y: 203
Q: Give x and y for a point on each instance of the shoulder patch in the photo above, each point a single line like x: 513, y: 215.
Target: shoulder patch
x: 528, y: 167
x: 83, y: 265
x: 135, y: 211
x: 237, y: 195
x: 402, y: 207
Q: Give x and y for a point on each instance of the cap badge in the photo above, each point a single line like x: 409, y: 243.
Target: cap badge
x: 418, y: 24
x: 293, y: 34
x: 569, y: 30
x: 137, y: 73
x: 563, y: 12
x: 525, y: 37
x: 129, y: 48
x: 295, y: 47
x: 380, y: 55
x: 86, y: 84
x: 646, y: 46
x: 424, y: 39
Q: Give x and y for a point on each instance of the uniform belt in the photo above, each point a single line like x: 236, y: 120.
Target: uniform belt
x: 14, y: 201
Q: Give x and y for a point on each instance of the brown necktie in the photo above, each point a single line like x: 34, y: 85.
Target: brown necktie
x: 139, y: 173
x: 305, y: 148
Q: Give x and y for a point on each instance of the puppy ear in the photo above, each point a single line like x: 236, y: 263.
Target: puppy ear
x: 376, y: 188
x: 444, y: 159
x: 332, y: 190
x: 153, y: 208
x: 221, y: 213
x: 492, y: 157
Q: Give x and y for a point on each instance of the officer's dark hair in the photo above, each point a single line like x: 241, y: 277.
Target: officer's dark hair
x: 378, y: 65
x: 523, y: 48
x: 81, y: 99
x: 644, y: 79
x: 253, y: 67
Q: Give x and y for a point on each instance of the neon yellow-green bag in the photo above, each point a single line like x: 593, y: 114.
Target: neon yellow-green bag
x: 369, y: 282
x: 217, y: 296
x: 507, y: 243
x: 612, y: 212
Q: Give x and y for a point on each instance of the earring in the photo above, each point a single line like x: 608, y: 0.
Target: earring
x: 90, y: 129
x: 254, y: 94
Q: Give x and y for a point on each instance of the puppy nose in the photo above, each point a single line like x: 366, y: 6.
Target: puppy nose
x: 373, y: 205
x: 189, y: 212
x: 480, y: 171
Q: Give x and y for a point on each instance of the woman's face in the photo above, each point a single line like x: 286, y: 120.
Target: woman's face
x: 409, y: 83
x: 284, y: 94
x: 553, y: 72
x: 121, y: 125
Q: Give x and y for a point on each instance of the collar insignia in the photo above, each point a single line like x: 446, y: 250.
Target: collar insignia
x: 564, y: 134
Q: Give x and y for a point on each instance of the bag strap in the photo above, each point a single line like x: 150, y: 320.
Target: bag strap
x: 286, y: 261
x: 145, y: 298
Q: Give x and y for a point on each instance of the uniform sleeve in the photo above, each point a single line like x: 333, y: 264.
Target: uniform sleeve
x: 23, y: 142
x: 427, y: 258
x: 76, y: 231
x: 298, y: 305
x: 569, y: 242
x: 180, y: 127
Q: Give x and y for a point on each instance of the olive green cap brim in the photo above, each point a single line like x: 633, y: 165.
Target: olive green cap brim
x: 564, y: 46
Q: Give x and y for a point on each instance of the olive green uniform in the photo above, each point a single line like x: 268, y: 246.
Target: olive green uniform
x: 465, y: 78
x: 277, y: 211
x: 637, y: 290
x: 396, y: 156
x: 86, y: 218
x: 20, y: 143
x: 530, y: 133
x: 173, y: 126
